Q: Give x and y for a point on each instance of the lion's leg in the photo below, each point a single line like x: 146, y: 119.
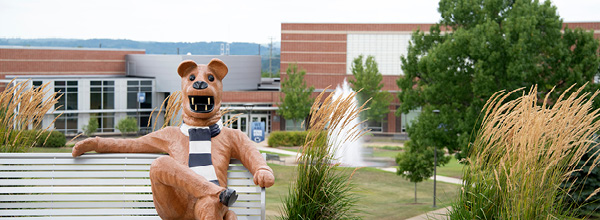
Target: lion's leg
x: 166, y: 171
x: 209, y: 208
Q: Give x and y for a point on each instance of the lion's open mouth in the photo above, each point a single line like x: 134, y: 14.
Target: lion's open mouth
x: 202, y: 104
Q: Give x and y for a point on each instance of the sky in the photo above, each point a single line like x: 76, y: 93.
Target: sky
x: 254, y: 21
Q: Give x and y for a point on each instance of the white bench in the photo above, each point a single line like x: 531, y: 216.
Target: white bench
x: 98, y: 186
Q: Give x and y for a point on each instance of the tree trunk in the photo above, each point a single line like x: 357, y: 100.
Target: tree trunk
x: 415, y: 192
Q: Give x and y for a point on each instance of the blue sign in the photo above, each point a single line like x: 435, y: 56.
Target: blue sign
x: 257, y: 131
x: 141, y: 97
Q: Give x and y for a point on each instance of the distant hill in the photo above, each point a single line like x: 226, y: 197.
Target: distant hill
x: 196, y: 48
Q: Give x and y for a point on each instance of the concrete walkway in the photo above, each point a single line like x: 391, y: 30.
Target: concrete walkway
x: 439, y: 214
x: 439, y: 178
x: 277, y: 151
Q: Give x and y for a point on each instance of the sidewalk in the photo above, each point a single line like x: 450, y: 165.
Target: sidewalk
x: 438, y: 177
x: 439, y: 214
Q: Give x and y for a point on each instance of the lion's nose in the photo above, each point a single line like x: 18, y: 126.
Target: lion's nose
x: 200, y: 85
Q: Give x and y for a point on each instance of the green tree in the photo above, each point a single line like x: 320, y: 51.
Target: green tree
x: 367, y: 80
x: 416, y: 163
x: 91, y: 127
x: 494, y: 45
x: 296, y: 101
x: 127, y: 125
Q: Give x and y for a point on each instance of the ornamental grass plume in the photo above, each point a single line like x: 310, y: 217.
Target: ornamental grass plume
x: 171, y: 107
x: 23, y: 107
x: 320, y: 190
x: 522, y: 154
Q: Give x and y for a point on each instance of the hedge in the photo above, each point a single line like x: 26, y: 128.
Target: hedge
x: 28, y: 137
x: 287, y: 138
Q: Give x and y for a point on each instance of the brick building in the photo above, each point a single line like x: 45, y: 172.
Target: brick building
x: 326, y: 51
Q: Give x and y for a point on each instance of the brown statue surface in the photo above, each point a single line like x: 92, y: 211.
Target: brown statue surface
x: 178, y: 191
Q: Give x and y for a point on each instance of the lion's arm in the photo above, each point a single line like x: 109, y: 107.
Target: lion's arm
x: 155, y: 142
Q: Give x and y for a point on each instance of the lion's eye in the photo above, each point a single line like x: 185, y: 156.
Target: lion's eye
x: 192, y: 77
x: 211, y: 78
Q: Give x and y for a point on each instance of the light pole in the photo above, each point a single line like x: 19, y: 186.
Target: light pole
x: 436, y: 112
x: 248, y: 108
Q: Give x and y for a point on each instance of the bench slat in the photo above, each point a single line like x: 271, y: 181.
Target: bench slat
x: 74, y: 167
x: 77, y: 197
x: 97, y: 189
x: 240, y: 182
x: 75, y: 212
x: 74, y: 182
x: 99, y: 218
x: 94, y: 189
x: 246, y: 189
x: 236, y: 168
x: 87, y: 155
x: 71, y: 161
x: 76, y: 174
x: 244, y: 211
x: 100, y: 182
x: 246, y: 204
x: 239, y: 175
x: 39, y: 205
x: 249, y: 197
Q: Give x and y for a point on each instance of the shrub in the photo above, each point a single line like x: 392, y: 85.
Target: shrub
x: 522, y: 154
x: 287, y: 138
x: 127, y: 125
x: 91, y: 127
x: 54, y: 139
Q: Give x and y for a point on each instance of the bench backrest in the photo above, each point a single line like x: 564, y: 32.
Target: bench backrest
x: 98, y: 186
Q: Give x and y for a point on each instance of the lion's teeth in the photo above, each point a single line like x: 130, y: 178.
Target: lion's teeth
x: 196, y: 107
x: 192, y: 100
x: 209, y: 101
x: 206, y: 108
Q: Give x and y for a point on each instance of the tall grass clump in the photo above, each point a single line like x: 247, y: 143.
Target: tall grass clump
x: 171, y: 107
x: 522, y: 154
x: 320, y: 190
x: 23, y: 107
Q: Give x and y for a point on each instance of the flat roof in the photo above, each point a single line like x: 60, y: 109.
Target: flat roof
x: 65, y: 48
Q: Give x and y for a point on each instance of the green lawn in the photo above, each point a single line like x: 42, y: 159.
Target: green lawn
x: 382, y: 195
x: 381, y: 152
x: 452, y: 169
x: 49, y: 150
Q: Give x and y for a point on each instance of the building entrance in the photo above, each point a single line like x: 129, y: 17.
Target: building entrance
x: 243, y: 124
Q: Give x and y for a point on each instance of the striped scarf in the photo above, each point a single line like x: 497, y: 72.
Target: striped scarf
x: 200, y: 158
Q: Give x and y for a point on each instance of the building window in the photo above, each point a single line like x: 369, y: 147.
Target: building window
x: 67, y: 91
x: 106, y: 121
x: 386, y: 48
x: 37, y: 124
x: 102, y: 94
x: 66, y: 123
x: 375, y: 126
x: 139, y: 86
x: 143, y: 118
x: 37, y: 84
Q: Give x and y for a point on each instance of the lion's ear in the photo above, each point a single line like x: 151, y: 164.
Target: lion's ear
x: 185, y: 67
x: 218, y: 68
